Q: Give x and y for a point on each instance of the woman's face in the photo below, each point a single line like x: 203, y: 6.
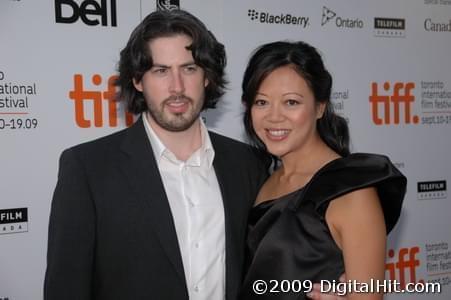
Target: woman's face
x: 284, y: 112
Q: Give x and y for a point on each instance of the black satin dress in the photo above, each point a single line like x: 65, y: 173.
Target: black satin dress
x: 288, y: 238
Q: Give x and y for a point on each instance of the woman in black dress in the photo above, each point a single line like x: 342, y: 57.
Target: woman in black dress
x: 323, y: 210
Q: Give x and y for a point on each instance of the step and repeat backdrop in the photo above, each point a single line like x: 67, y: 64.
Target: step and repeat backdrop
x: 391, y: 64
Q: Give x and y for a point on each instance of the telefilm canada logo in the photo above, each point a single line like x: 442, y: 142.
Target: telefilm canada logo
x: 281, y: 19
x: 89, y: 12
x: 13, y: 220
x: 431, y: 190
x: 330, y: 16
x: 168, y: 4
x: 390, y: 27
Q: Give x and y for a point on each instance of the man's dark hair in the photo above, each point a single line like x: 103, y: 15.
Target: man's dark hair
x: 136, y: 57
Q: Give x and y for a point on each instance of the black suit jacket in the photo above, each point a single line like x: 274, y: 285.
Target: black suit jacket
x: 111, y: 232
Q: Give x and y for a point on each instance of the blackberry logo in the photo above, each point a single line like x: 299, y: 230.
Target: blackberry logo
x: 389, y: 27
x: 283, y: 19
x: 327, y: 15
x: 168, y: 4
x: 252, y: 14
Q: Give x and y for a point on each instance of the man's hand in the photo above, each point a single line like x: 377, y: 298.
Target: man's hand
x: 317, y: 295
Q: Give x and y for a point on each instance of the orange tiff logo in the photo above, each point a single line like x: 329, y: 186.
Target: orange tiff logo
x: 405, y: 261
x: 99, y: 99
x: 402, y: 94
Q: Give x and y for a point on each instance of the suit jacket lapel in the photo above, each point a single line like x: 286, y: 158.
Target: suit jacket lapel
x: 144, y: 177
x: 140, y: 167
x: 227, y: 184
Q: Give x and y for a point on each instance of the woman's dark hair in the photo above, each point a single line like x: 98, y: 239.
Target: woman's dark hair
x: 307, y: 62
x: 136, y: 58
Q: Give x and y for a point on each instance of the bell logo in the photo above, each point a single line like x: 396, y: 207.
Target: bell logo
x: 91, y: 12
x: 406, y: 260
x: 402, y: 94
x: 79, y: 95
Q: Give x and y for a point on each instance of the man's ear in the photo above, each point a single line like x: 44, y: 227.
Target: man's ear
x: 206, y: 82
x: 138, y: 85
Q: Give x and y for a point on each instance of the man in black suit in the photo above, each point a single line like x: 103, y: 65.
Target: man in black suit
x: 158, y: 210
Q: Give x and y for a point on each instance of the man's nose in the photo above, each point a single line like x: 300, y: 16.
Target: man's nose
x: 177, y: 85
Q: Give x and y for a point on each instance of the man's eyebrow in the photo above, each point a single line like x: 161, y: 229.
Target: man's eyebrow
x: 158, y: 65
x: 190, y: 63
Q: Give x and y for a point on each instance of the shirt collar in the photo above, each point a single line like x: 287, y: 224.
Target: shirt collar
x: 204, y: 153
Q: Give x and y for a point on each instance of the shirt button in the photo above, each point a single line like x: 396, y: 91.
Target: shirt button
x: 197, y: 245
x: 196, y: 289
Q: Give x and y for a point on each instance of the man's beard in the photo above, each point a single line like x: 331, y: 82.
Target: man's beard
x: 176, y: 121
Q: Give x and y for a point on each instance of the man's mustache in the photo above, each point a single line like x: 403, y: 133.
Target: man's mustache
x: 178, y: 98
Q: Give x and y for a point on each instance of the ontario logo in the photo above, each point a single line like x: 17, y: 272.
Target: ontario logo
x: 389, y: 27
x: 13, y: 220
x: 168, y: 4
x: 281, y: 19
x: 430, y: 190
x: 395, y: 105
x: 99, y: 99
x: 329, y: 15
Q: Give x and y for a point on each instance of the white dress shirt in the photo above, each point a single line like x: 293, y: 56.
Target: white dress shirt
x: 197, y: 208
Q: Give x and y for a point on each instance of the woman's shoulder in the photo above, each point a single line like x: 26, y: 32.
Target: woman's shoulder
x: 358, y: 172
x: 369, y: 161
x: 354, y: 171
